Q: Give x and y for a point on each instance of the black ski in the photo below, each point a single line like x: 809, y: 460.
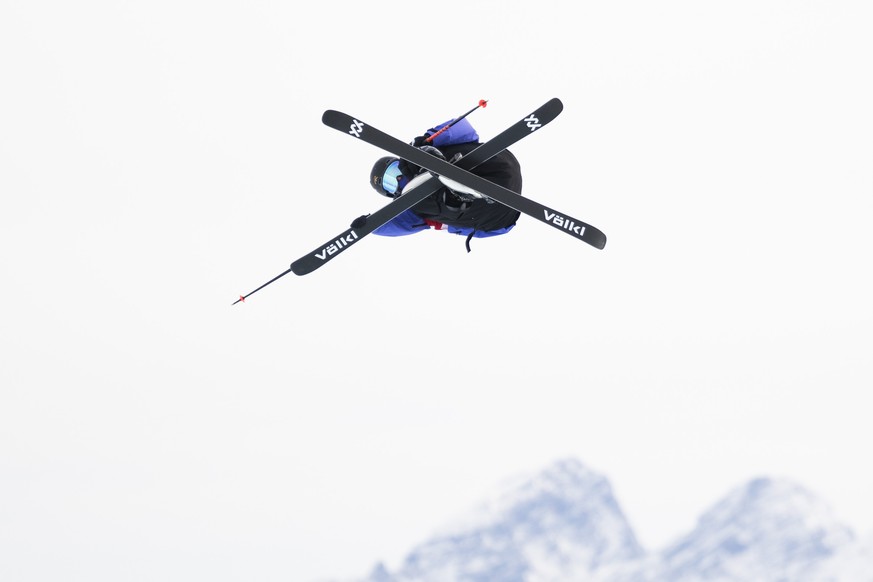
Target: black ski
x: 572, y: 226
x: 312, y: 261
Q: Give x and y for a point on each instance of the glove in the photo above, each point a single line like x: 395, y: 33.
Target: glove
x: 432, y: 151
x: 421, y: 141
x: 410, y: 169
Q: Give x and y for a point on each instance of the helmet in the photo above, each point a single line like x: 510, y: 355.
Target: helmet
x: 387, y: 177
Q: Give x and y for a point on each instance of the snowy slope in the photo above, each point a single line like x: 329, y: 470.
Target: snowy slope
x: 851, y: 564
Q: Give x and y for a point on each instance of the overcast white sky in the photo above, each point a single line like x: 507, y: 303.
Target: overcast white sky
x: 157, y: 159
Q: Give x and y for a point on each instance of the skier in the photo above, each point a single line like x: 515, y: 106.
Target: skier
x: 457, y: 208
x: 463, y: 210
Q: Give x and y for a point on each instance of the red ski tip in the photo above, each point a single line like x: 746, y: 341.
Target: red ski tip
x: 483, y: 102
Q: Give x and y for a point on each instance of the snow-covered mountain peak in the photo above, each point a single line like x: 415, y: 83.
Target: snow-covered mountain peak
x: 766, y: 504
x: 564, y: 477
x: 769, y: 496
x: 561, y: 523
x: 767, y: 529
x: 567, y: 480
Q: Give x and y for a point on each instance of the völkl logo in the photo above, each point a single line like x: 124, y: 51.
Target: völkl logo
x: 337, y: 245
x: 564, y: 223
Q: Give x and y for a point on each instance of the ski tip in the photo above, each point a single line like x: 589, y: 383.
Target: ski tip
x: 483, y: 102
x: 241, y: 299
x: 600, y: 242
x: 328, y: 115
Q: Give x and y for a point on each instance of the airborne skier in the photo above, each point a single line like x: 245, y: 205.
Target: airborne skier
x: 454, y: 191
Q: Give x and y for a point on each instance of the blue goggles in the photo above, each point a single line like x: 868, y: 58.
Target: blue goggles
x: 393, y: 179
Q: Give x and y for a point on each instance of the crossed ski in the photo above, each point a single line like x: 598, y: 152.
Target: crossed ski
x: 459, y: 172
x: 519, y: 130
x: 563, y: 222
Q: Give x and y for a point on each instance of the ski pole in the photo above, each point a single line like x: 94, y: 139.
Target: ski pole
x: 243, y: 297
x: 482, y: 103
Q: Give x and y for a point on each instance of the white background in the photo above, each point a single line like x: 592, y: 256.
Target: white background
x: 157, y: 159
